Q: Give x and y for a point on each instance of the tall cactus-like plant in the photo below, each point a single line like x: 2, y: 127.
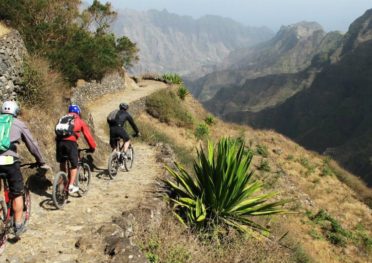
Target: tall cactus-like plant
x: 222, y: 190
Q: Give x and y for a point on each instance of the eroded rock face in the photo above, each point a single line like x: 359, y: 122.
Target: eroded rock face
x: 12, y: 54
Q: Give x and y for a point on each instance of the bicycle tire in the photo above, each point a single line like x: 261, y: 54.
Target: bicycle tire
x: 60, y: 194
x: 26, y: 206
x: 128, y: 162
x: 3, y: 237
x: 4, y: 210
x: 83, y: 179
x: 113, y: 165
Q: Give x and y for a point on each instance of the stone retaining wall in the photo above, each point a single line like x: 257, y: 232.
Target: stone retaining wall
x: 85, y: 92
x: 12, y: 54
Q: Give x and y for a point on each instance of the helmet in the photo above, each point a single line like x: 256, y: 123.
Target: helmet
x: 123, y: 106
x: 74, y: 108
x: 10, y: 107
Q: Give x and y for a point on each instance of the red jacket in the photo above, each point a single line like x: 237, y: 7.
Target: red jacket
x: 81, y: 126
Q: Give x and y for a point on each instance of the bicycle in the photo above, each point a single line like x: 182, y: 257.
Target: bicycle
x: 61, y: 181
x: 119, y: 159
x: 6, y: 206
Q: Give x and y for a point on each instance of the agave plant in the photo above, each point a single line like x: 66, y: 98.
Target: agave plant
x: 182, y: 92
x: 222, y: 190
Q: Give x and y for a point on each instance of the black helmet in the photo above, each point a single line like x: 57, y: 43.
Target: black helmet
x: 123, y: 106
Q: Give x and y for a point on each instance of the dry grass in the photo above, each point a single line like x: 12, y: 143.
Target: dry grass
x: 171, y: 242
x: 3, y: 29
x: 298, y: 175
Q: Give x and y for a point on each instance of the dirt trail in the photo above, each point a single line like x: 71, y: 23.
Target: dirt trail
x: 52, y: 234
x: 104, y: 105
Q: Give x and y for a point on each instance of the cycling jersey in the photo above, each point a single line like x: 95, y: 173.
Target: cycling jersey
x: 18, y: 132
x: 81, y: 126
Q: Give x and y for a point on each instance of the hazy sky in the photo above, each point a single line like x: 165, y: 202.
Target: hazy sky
x: 331, y: 14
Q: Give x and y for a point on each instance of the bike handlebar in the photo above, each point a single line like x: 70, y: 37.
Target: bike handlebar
x: 31, y: 165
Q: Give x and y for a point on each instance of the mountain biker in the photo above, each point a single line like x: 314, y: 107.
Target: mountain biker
x: 10, y: 164
x: 116, y: 121
x: 67, y: 147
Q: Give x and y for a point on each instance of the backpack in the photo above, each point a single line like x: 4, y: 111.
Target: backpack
x: 65, y: 126
x: 111, y: 118
x: 6, y: 121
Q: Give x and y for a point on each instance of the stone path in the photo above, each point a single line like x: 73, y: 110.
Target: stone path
x: 52, y: 234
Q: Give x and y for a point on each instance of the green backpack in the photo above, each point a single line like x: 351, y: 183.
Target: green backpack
x: 6, y: 121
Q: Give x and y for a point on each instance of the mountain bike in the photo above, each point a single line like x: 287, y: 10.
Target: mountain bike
x: 118, y: 159
x: 6, y: 209
x: 60, y: 192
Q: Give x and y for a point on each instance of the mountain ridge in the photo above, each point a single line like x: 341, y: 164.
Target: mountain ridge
x: 333, y: 114
x: 181, y: 44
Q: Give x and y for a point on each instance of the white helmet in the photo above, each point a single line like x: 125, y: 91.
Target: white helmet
x: 10, y: 107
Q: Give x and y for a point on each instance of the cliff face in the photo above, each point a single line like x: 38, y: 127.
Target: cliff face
x: 290, y: 51
x: 12, y: 53
x: 335, y: 113
x: 172, y: 43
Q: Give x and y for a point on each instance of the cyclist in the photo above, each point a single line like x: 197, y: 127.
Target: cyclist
x: 10, y: 164
x: 67, y: 147
x: 116, y: 120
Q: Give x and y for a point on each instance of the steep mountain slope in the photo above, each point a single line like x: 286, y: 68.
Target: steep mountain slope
x: 173, y: 43
x: 290, y: 51
x: 302, y: 176
x: 267, y: 91
x: 335, y: 113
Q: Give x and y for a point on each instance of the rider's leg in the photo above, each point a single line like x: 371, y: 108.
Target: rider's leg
x: 126, y: 146
x: 18, y: 209
x: 16, y: 188
x: 73, y: 173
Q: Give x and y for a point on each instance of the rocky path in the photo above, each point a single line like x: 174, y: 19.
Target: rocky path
x: 52, y: 234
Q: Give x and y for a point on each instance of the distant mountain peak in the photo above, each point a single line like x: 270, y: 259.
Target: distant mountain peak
x: 302, y: 29
x: 360, y: 31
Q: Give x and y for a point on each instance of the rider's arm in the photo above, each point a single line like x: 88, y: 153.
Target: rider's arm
x: 134, y: 126
x: 87, y: 135
x: 31, y: 144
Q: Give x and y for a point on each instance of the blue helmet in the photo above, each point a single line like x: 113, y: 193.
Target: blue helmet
x: 74, y: 108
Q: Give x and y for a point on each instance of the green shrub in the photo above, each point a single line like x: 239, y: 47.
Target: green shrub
x: 58, y: 31
x: 327, y: 169
x: 306, y: 163
x: 300, y: 256
x: 173, y: 78
x: 166, y: 106
x: 332, y: 229
x: 201, y: 131
x: 264, y: 166
x: 209, y: 120
x: 33, y: 83
x: 221, y: 193
x: 182, y: 92
x: 262, y: 150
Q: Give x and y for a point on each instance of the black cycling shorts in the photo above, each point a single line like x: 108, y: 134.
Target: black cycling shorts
x: 14, y: 178
x: 67, y: 151
x: 117, y: 132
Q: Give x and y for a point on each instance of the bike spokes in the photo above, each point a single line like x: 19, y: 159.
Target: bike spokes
x: 60, y: 189
x: 84, y: 176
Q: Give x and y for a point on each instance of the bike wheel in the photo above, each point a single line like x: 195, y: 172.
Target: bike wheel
x: 26, y: 206
x: 84, y: 176
x: 3, y: 210
x: 60, y: 189
x: 3, y: 225
x: 128, y: 162
x: 113, y: 164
